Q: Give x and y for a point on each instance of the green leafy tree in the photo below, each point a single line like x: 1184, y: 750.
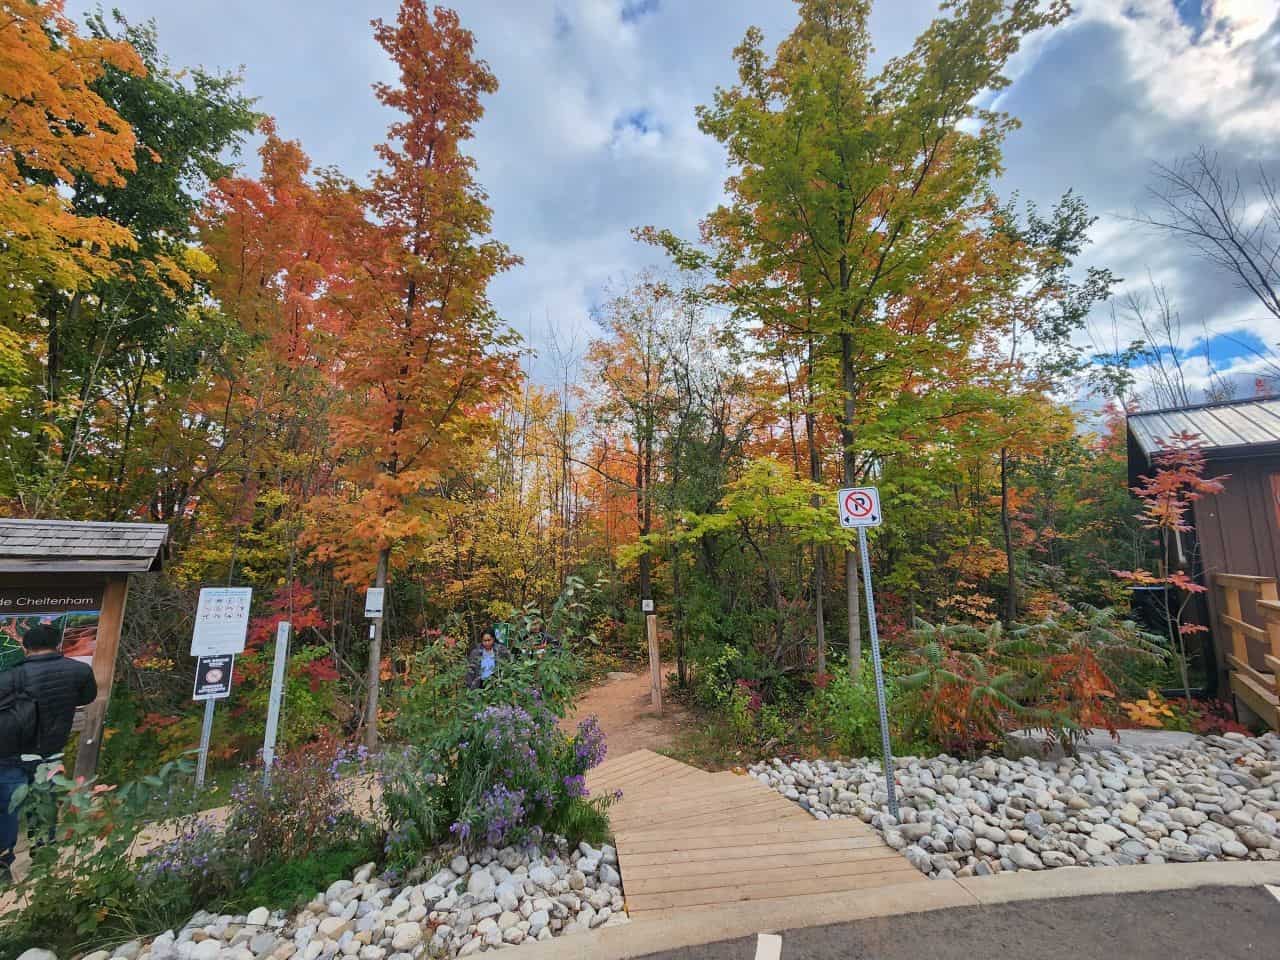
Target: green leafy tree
x: 854, y: 190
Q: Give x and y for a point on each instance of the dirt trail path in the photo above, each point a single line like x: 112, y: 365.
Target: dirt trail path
x: 626, y: 716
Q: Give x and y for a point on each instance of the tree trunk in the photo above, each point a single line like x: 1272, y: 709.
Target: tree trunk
x: 819, y: 555
x: 1006, y: 522
x: 850, y: 478
x: 819, y: 619
x: 375, y: 658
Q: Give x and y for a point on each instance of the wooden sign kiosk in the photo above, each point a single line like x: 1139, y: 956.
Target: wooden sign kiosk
x: 74, y: 574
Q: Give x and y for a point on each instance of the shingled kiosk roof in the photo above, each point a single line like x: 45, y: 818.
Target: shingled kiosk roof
x: 76, y: 546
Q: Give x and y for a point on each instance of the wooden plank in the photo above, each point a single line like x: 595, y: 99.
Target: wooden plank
x: 704, y: 799
x: 657, y: 840
x: 1264, y: 680
x: 644, y: 784
x: 784, y: 845
x: 673, y: 798
x: 730, y: 876
x: 741, y: 818
x: 1241, y: 582
x: 1248, y: 629
x: 654, y: 770
x: 751, y: 861
x: 673, y: 791
x: 797, y: 886
x: 677, y: 819
x: 647, y: 767
x: 627, y: 762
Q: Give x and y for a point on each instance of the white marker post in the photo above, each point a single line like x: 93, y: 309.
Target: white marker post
x: 277, y: 699
x: 222, y: 622
x: 860, y: 508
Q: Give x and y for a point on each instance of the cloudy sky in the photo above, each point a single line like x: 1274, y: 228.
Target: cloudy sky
x: 593, y: 131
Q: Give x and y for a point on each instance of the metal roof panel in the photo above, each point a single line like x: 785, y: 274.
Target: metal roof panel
x: 1220, y: 426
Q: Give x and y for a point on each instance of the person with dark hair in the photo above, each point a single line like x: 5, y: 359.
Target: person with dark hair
x: 56, y: 685
x: 483, y: 660
x: 539, y: 641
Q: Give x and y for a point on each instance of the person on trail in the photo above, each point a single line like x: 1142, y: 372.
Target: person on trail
x: 539, y: 641
x: 483, y: 660
x: 56, y: 685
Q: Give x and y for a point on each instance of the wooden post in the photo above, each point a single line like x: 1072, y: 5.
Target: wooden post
x: 110, y: 619
x: 655, y: 663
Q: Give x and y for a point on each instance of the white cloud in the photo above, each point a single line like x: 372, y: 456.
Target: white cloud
x: 1188, y: 70
x: 1125, y: 83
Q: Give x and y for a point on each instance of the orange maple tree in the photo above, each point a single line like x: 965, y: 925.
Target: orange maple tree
x: 54, y: 128
x: 1167, y: 495
x: 421, y: 356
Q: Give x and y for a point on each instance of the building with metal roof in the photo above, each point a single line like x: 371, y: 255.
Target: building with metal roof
x: 1233, y: 548
x: 75, y: 546
x: 1222, y: 429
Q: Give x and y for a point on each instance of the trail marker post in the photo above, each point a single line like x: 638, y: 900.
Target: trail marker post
x: 655, y: 661
x: 222, y: 622
x: 276, y: 702
x: 859, y: 508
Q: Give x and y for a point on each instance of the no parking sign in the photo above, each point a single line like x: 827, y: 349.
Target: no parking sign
x: 860, y: 507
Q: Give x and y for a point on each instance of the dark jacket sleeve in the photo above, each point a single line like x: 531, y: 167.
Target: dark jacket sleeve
x: 88, y: 688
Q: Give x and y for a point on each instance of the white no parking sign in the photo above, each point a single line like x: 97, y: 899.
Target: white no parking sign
x: 860, y: 508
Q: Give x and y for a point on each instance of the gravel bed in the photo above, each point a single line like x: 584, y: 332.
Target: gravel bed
x: 1217, y: 798
x: 488, y: 900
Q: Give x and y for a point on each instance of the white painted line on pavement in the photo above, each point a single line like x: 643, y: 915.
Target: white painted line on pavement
x: 768, y: 946
x: 1273, y: 890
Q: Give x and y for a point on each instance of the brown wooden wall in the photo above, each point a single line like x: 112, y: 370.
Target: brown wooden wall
x: 1239, y: 532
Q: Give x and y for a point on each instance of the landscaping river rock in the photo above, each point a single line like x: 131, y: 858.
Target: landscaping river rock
x: 1217, y: 798
x: 488, y: 900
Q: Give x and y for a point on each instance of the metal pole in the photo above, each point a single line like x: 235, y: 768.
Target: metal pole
x: 276, y: 700
x: 875, y: 662
x: 206, y: 733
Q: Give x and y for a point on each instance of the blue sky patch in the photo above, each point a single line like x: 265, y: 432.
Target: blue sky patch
x: 633, y: 10
x: 1191, y: 12
x: 641, y: 121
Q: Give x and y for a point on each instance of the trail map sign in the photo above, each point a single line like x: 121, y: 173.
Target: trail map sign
x: 373, y: 602
x: 222, y: 621
x: 213, y: 677
x: 860, y: 507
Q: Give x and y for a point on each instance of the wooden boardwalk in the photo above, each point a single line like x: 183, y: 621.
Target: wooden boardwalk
x: 691, y: 839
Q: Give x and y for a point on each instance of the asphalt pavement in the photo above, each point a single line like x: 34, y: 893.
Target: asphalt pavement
x: 1215, y: 923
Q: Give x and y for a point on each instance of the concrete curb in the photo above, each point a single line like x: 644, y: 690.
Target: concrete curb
x: 692, y: 927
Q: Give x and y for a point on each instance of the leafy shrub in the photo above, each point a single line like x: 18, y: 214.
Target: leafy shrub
x: 845, y: 709
x: 308, y: 809
x: 718, y: 673
x: 82, y: 889
x: 973, y: 685
x: 495, y: 775
x: 289, y: 882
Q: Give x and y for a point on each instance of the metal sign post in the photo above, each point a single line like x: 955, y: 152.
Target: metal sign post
x: 277, y: 698
x: 860, y: 508
x: 206, y: 733
x: 222, y: 622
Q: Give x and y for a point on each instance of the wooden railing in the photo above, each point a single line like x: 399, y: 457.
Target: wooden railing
x: 1260, y: 689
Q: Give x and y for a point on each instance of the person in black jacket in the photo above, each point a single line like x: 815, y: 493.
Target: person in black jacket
x: 58, y: 686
